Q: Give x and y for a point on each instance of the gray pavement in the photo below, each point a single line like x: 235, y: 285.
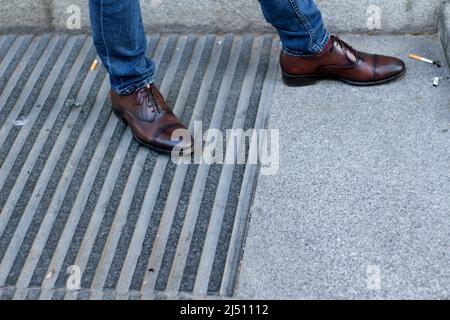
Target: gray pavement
x: 363, y: 186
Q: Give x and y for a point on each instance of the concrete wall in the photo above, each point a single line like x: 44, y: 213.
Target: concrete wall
x: 444, y: 29
x: 397, y: 16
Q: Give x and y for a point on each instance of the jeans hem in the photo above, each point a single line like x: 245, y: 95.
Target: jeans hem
x: 132, y: 88
x: 319, y: 47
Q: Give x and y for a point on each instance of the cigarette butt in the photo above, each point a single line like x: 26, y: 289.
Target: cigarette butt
x: 419, y: 58
x: 94, y: 65
x: 436, y: 81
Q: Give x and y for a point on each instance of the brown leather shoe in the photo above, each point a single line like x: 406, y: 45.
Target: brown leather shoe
x: 340, y: 61
x: 150, y: 119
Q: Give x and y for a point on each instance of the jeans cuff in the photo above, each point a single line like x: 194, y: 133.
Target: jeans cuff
x: 132, y: 88
x: 320, y: 46
x: 325, y: 41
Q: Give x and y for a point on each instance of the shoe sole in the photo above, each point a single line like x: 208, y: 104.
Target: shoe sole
x: 142, y: 143
x: 300, y: 81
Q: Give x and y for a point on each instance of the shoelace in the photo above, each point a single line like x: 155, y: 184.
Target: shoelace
x: 346, y: 47
x: 145, y: 97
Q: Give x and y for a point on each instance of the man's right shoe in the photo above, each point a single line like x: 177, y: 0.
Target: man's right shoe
x: 151, y: 121
x: 339, y: 61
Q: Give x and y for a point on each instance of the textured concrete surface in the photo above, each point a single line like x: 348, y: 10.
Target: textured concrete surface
x: 444, y: 28
x: 25, y: 15
x: 411, y: 16
x: 364, y: 180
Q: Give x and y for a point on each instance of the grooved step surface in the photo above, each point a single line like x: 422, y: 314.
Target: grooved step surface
x: 77, y: 190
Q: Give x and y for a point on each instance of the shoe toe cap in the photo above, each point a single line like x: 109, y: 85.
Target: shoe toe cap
x: 176, y: 137
x: 389, y: 67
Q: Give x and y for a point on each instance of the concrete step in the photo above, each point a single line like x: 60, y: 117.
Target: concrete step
x: 399, y: 16
x: 376, y: 194
x: 361, y: 205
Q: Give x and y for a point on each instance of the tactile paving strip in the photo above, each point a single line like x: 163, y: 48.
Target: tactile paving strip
x: 77, y: 190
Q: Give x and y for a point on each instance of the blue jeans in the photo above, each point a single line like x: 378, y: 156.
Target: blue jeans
x: 119, y: 36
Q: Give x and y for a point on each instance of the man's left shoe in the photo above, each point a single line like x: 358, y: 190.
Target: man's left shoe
x: 339, y: 61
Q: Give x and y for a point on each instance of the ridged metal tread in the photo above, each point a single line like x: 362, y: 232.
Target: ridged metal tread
x: 76, y: 189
